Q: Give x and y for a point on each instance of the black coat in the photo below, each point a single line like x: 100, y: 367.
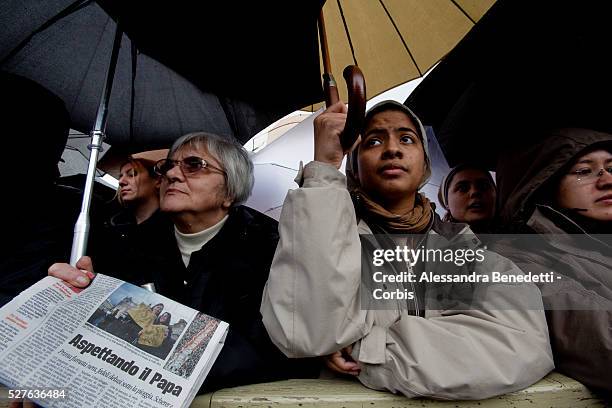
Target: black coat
x: 224, y: 279
x: 38, y: 231
x: 136, y: 253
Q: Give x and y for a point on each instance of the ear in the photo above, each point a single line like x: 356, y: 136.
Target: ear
x: 227, y: 203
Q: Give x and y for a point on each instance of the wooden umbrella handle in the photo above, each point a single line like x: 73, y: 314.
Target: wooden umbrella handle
x: 355, y: 83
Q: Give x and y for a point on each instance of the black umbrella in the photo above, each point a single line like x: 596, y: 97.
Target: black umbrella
x: 231, y: 68
x: 525, y: 67
x: 242, y: 66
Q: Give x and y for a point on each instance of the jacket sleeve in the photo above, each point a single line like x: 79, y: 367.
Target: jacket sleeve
x: 311, y: 307
x: 318, y: 251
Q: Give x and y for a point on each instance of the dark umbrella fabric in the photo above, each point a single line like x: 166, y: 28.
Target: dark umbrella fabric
x: 524, y: 68
x: 209, y: 78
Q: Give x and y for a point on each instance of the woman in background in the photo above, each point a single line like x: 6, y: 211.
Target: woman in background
x: 468, y: 194
x: 563, y: 198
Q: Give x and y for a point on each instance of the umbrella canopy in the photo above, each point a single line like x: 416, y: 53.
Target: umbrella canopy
x: 521, y: 70
x: 194, y: 66
x: 394, y: 41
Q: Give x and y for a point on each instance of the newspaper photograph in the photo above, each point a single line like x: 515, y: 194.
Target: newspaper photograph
x: 111, y: 344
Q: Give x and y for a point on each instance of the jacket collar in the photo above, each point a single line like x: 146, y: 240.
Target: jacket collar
x: 557, y: 228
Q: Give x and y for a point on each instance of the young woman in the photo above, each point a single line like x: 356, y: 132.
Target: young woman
x: 468, y: 194
x: 138, y: 190
x: 563, y: 198
x: 122, y: 245
x: 313, y: 303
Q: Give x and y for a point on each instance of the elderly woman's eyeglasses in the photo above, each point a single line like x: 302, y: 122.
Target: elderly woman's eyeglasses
x: 189, y: 165
x: 588, y: 175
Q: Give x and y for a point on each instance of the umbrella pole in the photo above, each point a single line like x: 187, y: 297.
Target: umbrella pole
x: 355, y: 83
x: 329, y: 83
x: 81, y: 227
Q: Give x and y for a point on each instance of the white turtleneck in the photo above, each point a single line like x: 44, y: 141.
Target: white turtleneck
x: 189, y: 243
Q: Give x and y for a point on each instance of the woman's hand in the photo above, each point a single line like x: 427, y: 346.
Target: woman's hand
x: 327, y: 129
x: 342, y: 362
x: 79, y: 277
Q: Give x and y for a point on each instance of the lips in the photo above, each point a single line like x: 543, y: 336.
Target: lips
x: 607, y: 199
x: 392, y: 169
x: 174, y: 191
x: 477, y: 205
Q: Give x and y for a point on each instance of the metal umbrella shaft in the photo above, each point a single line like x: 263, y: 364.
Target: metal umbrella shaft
x: 81, y: 227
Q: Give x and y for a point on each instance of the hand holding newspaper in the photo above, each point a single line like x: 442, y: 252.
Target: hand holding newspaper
x: 111, y: 344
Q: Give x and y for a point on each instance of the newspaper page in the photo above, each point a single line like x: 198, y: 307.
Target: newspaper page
x: 112, y: 344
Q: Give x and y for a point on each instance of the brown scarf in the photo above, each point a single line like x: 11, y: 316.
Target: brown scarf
x: 413, y: 222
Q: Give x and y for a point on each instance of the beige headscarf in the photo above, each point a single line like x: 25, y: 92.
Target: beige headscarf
x: 415, y: 220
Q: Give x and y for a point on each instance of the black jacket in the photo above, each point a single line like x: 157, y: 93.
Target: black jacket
x: 224, y: 279
x: 136, y: 253
x: 38, y: 231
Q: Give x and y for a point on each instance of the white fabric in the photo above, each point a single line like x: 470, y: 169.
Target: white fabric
x: 189, y: 243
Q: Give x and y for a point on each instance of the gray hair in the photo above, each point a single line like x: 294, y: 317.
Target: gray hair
x: 233, y: 157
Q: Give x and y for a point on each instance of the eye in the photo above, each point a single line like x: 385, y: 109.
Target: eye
x: 193, y: 163
x: 608, y: 169
x: 483, y: 185
x: 408, y: 139
x: 585, y: 171
x: 461, y: 188
x: 373, y: 141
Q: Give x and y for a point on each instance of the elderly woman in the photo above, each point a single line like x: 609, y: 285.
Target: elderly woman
x: 563, y: 195
x: 313, y: 303
x: 216, y: 254
x: 468, y: 194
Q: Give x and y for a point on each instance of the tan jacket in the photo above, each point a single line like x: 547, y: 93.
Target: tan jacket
x: 311, y: 307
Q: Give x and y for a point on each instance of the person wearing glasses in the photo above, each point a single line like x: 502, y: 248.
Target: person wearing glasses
x: 216, y: 255
x: 561, y: 194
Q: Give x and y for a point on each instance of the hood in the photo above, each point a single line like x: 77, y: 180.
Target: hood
x: 522, y: 173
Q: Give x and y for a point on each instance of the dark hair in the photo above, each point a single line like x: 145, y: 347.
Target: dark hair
x: 35, y: 119
x: 158, y: 319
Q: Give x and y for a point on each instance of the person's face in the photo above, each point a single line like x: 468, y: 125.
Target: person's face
x: 588, y: 186
x: 199, y: 193
x: 136, y: 184
x: 471, y: 196
x: 164, y: 318
x: 157, y: 309
x: 391, y: 160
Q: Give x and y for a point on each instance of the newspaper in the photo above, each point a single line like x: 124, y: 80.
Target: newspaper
x: 112, y: 344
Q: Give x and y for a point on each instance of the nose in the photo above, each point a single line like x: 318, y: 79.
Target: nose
x: 175, y: 174
x: 123, y: 181
x: 392, y: 148
x: 604, y: 181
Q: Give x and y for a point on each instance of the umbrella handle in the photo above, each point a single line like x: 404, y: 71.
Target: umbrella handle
x: 355, y: 83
